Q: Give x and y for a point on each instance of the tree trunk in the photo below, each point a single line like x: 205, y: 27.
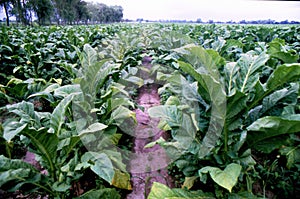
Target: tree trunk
x: 24, y: 14
x: 6, y: 13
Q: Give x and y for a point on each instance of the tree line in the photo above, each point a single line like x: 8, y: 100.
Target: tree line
x: 60, y: 12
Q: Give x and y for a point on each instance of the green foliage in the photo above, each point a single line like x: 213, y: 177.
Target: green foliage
x: 227, y: 178
x: 43, y: 9
x: 230, y: 101
x: 102, y: 193
x: 21, y: 173
x: 162, y: 191
x: 246, y: 104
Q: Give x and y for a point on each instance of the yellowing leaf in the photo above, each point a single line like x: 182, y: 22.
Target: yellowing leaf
x: 121, y: 180
x: 160, y: 191
x: 189, y: 182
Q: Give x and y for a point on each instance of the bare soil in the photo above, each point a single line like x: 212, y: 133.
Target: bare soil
x: 147, y: 165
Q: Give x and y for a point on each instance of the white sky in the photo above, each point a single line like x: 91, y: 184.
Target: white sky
x: 217, y: 10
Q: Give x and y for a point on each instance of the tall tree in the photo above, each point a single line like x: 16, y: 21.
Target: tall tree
x: 92, y: 12
x: 6, y: 5
x: 20, y: 11
x: 70, y: 11
x: 118, y: 13
x: 102, y: 13
x: 81, y: 11
x: 59, y: 6
x: 43, y: 10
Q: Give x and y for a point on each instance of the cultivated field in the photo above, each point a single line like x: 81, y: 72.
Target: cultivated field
x: 150, y: 111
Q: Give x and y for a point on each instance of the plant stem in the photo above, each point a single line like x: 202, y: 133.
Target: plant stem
x: 225, y: 137
x: 8, y: 151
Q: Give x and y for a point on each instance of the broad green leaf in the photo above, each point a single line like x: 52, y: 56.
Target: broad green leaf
x: 65, y: 91
x: 271, y: 126
x: 274, y: 99
x: 183, y: 194
x: 100, y: 164
x: 12, y: 129
x: 45, y: 144
x: 25, y: 110
x: 116, y: 158
x: 93, y: 128
x: 61, y: 186
x: 230, y: 71
x: 235, y: 104
x: 218, y: 114
x: 278, y: 49
x: 187, y: 132
x: 218, y: 43
x: 7, y: 164
x: 159, y: 191
x: 17, y: 88
x: 227, y: 178
x: 17, y: 174
x: 203, y: 65
x: 161, y: 140
x: 20, y: 173
x: 108, y: 140
x: 135, y: 80
x: 188, y: 68
x: 173, y: 100
x: 88, y: 56
x: 181, y: 163
x: 46, y: 93
x: 200, y: 63
x: 4, y: 48
x: 68, y: 144
x: 293, y: 155
x: 4, y: 96
x: 185, y: 90
x: 268, y: 145
x: 243, y: 195
x: 169, y: 113
x: 259, y: 93
x: 249, y: 66
x: 246, y: 159
x: 103, y: 168
x: 120, y: 114
x: 106, y: 193
x: 58, y: 115
x: 116, y: 102
x: 283, y: 74
x: 200, y: 57
x: 95, y: 76
x: 230, y: 43
x: 118, y: 90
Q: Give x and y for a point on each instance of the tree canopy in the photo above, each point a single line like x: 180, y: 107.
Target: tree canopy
x: 60, y: 11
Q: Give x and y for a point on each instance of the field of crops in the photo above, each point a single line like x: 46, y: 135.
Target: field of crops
x: 228, y: 104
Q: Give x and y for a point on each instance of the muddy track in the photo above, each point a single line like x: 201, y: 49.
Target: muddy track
x: 147, y: 165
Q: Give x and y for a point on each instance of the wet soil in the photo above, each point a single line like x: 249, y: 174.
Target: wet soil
x: 147, y: 165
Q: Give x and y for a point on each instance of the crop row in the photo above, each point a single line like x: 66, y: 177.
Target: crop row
x: 230, y: 102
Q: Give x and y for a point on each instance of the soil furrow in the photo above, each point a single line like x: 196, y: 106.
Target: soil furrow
x: 147, y: 165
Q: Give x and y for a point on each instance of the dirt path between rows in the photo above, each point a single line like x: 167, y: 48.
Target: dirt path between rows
x: 147, y: 165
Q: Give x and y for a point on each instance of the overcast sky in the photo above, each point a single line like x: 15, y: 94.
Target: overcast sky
x: 217, y: 10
